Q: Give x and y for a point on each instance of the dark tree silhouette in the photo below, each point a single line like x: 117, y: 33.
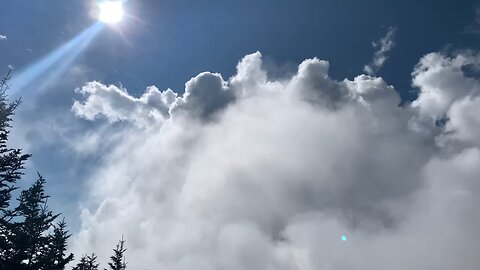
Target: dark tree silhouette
x: 57, y: 247
x: 30, y: 245
x: 11, y: 166
x: 11, y: 160
x: 118, y: 258
x: 26, y: 239
x: 87, y: 262
x: 82, y: 264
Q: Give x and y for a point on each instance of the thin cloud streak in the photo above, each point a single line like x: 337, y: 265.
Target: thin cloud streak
x: 383, y: 48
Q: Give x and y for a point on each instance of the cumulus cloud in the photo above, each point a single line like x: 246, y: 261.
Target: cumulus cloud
x: 442, y: 81
x: 3, y: 37
x: 255, y: 173
x: 382, y: 49
x: 115, y: 104
x: 204, y: 95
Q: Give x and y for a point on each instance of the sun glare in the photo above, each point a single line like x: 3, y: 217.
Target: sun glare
x: 110, y: 11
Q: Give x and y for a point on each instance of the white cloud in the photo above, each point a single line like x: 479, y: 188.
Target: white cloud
x: 115, y: 104
x: 464, y: 123
x: 442, y: 81
x: 3, y: 37
x: 254, y: 173
x: 383, y: 48
x: 204, y: 95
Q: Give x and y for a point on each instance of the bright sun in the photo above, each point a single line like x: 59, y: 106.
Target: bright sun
x: 110, y: 11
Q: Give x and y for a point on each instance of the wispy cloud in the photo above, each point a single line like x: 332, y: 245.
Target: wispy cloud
x: 474, y: 27
x: 382, y: 47
x: 3, y: 37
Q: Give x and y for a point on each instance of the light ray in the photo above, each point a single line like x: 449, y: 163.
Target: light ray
x: 45, y: 71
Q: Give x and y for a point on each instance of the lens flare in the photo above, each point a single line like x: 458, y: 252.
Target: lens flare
x: 110, y: 11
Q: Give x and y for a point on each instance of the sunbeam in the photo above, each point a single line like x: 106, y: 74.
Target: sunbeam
x: 47, y: 70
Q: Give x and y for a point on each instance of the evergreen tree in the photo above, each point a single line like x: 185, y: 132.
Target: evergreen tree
x: 55, y: 255
x: 26, y: 240
x: 11, y: 166
x: 82, y: 264
x: 118, y: 258
x: 28, y: 234
x: 92, y: 262
x: 87, y: 262
x: 11, y: 160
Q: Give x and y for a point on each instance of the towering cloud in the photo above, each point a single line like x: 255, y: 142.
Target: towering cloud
x: 256, y: 173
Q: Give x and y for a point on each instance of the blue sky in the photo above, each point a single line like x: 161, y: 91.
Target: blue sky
x: 173, y: 41
x: 276, y: 147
